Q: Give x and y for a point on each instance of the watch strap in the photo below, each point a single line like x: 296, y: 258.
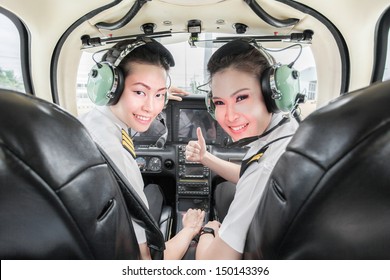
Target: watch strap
x: 208, y: 230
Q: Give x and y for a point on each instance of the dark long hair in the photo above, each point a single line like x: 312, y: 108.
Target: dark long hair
x: 239, y: 55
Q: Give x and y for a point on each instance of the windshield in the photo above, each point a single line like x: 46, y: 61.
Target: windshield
x: 190, y: 71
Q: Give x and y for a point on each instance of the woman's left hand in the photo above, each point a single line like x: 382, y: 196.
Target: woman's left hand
x: 176, y: 93
x: 193, y: 219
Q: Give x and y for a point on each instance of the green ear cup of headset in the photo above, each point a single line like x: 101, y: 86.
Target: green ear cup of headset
x: 102, y: 84
x: 287, y: 87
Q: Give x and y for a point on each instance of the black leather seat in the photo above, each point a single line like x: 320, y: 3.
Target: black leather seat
x: 160, y: 211
x: 166, y: 221
x: 329, y: 194
x: 60, y: 198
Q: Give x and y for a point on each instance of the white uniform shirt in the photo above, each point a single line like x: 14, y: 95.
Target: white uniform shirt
x: 251, y: 184
x: 106, y: 130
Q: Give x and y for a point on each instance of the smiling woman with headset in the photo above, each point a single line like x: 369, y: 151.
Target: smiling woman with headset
x: 130, y: 88
x: 249, y: 95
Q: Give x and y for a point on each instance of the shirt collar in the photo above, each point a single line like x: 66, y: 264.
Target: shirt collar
x: 275, y: 119
x: 105, y: 110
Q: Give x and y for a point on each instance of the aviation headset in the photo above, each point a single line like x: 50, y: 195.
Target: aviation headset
x: 279, y: 83
x: 106, y: 78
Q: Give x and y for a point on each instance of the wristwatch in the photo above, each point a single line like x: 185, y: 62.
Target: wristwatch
x: 207, y: 230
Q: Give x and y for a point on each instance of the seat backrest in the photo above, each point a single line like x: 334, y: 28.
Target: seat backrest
x: 58, y: 197
x: 328, y: 196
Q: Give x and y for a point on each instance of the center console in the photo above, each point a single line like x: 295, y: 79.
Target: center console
x: 193, y: 184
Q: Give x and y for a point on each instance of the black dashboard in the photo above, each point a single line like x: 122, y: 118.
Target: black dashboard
x: 161, y: 159
x: 180, y: 119
x: 159, y: 147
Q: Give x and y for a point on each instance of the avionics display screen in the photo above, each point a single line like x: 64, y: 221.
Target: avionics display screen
x: 190, y: 119
x: 194, y: 170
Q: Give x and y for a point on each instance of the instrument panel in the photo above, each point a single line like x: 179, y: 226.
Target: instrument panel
x: 161, y: 155
x: 160, y: 150
x: 149, y: 163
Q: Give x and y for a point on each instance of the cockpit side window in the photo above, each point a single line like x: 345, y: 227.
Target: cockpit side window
x: 381, y: 71
x: 11, y: 73
x: 386, y: 72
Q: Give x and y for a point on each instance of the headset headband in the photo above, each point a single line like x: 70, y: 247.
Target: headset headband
x: 268, y: 57
x: 127, y: 46
x: 128, y: 50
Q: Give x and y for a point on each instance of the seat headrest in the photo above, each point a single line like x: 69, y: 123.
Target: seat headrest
x: 328, y: 196
x: 58, y: 198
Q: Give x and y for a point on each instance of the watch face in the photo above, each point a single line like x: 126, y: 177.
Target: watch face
x: 207, y: 230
